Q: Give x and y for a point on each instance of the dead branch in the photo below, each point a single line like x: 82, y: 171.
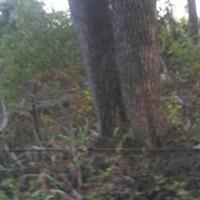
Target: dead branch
x: 3, y: 116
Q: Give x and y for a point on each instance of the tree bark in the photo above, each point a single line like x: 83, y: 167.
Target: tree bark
x: 193, y: 30
x: 94, y: 30
x: 134, y: 24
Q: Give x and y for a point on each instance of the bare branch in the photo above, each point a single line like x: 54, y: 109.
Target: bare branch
x: 3, y: 116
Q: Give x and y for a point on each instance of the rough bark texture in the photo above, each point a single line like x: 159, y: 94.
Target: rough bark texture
x: 94, y: 30
x: 193, y: 30
x: 134, y: 24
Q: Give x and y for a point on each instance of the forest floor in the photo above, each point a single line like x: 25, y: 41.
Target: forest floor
x: 102, y: 175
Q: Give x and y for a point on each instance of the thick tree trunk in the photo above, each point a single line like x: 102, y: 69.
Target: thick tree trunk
x: 193, y: 30
x: 94, y: 30
x: 134, y: 24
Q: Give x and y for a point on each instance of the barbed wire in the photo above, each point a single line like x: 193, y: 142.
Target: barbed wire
x: 102, y: 149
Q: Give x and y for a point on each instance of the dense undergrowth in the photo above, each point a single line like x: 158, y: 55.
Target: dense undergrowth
x: 43, y: 85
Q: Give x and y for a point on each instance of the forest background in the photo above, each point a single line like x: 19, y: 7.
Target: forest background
x: 45, y: 91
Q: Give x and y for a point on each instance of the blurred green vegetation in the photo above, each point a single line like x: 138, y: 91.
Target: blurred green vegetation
x: 34, y: 43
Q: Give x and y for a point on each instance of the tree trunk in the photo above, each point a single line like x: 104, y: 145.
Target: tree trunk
x: 94, y: 30
x: 193, y: 30
x: 134, y: 24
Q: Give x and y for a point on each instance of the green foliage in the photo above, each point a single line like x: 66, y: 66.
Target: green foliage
x: 3, y: 196
x: 180, y: 54
x: 182, y: 59
x: 39, y: 41
x: 175, y: 115
x: 10, y: 187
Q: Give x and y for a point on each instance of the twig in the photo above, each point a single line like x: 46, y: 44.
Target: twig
x: 4, y: 117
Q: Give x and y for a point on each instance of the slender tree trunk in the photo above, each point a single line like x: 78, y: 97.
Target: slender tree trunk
x: 193, y: 30
x: 94, y: 30
x: 134, y: 24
